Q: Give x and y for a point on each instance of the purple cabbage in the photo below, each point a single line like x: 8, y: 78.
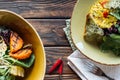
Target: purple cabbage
x: 5, y: 33
x: 110, y: 30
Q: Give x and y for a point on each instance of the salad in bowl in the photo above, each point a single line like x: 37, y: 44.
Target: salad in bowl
x: 15, y: 55
x: 103, y: 26
x: 22, y: 55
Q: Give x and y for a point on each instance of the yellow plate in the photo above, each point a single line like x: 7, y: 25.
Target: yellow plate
x: 77, y: 29
x: 29, y: 35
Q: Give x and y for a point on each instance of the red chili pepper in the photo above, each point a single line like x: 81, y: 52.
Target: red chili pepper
x: 105, y: 14
x: 60, y: 70
x: 55, y: 65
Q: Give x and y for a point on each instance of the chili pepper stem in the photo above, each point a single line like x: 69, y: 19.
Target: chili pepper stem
x: 60, y: 77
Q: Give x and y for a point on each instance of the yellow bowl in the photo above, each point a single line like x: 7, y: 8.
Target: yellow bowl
x: 77, y: 29
x: 29, y: 35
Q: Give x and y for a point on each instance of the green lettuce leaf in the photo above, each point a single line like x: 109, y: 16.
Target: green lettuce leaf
x: 111, y: 43
x: 115, y: 13
x: 24, y: 63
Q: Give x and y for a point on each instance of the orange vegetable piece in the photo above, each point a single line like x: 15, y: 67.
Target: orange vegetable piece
x: 105, y: 14
x: 16, y: 42
x: 21, y: 54
x: 104, y: 2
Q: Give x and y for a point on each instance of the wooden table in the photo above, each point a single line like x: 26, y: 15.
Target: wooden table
x: 48, y: 18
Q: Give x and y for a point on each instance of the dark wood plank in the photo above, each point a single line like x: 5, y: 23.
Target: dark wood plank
x: 51, y: 31
x: 54, y: 53
x: 40, y: 8
x: 64, y: 77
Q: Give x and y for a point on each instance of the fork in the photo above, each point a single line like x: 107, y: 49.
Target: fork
x: 94, y: 69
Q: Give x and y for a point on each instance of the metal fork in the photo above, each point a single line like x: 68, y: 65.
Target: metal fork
x: 94, y: 69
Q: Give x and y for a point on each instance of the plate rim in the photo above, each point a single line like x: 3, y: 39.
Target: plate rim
x: 98, y: 62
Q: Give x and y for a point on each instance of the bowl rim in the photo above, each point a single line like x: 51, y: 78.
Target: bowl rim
x: 79, y: 49
x: 43, y: 50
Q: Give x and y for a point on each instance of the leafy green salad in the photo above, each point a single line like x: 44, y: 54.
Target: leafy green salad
x: 15, y: 55
x: 111, y: 38
x: 103, y: 25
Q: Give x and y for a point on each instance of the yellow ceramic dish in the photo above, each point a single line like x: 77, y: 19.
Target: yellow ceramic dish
x: 29, y: 35
x: 77, y: 30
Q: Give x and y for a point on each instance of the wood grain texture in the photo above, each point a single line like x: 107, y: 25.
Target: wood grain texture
x: 54, y: 53
x: 40, y: 8
x: 51, y: 31
x: 48, y: 18
x: 64, y: 77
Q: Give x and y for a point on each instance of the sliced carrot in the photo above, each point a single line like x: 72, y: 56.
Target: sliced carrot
x: 21, y: 54
x: 16, y: 42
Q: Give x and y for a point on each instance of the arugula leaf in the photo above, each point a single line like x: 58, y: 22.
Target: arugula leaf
x: 7, y: 77
x: 2, y: 71
x: 10, y: 77
x: 115, y: 13
x: 118, y: 27
x: 111, y: 43
x: 2, y: 78
x: 24, y: 63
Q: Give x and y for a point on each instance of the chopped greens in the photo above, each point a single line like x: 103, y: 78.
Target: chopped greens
x: 111, y: 43
x: 24, y: 63
x: 104, y: 18
x: 111, y: 40
x: 115, y: 13
x: 7, y: 62
x: 13, y: 64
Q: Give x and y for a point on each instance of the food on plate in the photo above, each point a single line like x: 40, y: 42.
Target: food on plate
x: 93, y: 33
x: 15, y: 55
x: 101, y: 17
x: 21, y: 54
x: 103, y: 25
x: 16, y: 42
